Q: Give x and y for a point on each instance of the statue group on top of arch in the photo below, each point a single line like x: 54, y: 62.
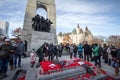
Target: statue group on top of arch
x: 41, y: 24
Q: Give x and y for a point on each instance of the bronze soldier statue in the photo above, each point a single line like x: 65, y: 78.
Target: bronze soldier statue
x: 40, y: 24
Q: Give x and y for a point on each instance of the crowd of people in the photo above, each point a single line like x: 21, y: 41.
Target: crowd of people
x: 10, y: 55
x: 109, y: 54
x: 12, y: 50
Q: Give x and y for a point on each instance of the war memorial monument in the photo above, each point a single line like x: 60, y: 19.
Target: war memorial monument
x: 36, y: 29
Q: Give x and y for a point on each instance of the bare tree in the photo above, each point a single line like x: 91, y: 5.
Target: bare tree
x: 98, y: 39
x: 114, y: 39
x: 16, y: 32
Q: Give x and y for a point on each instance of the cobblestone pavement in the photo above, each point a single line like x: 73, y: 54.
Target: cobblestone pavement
x: 31, y: 71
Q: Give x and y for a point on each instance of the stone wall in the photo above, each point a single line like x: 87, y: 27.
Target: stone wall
x: 38, y: 38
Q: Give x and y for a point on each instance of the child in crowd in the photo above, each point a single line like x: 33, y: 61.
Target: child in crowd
x: 32, y: 57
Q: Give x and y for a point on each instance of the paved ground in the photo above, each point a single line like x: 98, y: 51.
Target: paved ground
x: 26, y: 66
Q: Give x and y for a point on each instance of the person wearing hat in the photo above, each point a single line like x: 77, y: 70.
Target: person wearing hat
x: 5, y: 51
x: 115, y: 60
x: 20, y: 50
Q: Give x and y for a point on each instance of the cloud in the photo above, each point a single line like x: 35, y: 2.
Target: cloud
x: 98, y: 24
x: 96, y: 15
x: 81, y: 6
x: 13, y: 11
x: 1, y: 3
x: 74, y: 19
x: 99, y: 16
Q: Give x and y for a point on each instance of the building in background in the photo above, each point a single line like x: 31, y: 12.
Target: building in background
x: 76, y: 36
x: 4, y: 25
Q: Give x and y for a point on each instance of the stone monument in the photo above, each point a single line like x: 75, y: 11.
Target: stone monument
x: 33, y: 37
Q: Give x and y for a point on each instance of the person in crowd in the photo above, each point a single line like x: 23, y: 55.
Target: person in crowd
x: 60, y: 49
x: 56, y: 51
x: 5, y: 51
x: 118, y: 54
x: 32, y: 57
x: 113, y: 51
x: 45, y: 50
x: 71, y: 50
x: 75, y: 50
x: 109, y: 55
x: 118, y: 51
x: 80, y: 51
x: 92, y: 46
x: 115, y: 60
x: 96, y: 54
x: 25, y: 49
x: 20, y: 50
x: 25, y: 44
x: 11, y: 58
x: 90, y: 52
x: 87, y: 51
x: 67, y: 48
x: 51, y: 51
x: 40, y: 54
x: 105, y: 54
x: 100, y: 52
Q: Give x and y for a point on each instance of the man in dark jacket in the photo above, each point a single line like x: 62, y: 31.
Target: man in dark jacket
x: 20, y: 50
x: 105, y: 54
x: 56, y: 51
x: 100, y: 54
x: 51, y: 51
x: 60, y: 49
x: 5, y: 51
x: 115, y: 60
x: 75, y: 50
x: 87, y: 51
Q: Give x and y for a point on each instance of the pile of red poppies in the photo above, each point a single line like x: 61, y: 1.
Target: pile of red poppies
x: 92, y: 72
x: 22, y: 77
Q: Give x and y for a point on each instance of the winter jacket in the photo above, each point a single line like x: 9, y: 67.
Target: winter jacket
x: 87, y: 49
x: 5, y: 50
x: 20, y: 48
x: 96, y: 51
x: 80, y: 47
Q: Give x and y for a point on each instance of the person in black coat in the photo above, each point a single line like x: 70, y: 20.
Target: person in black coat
x: 51, y: 51
x: 40, y: 54
x: 5, y: 51
x: 56, y: 51
x: 105, y: 54
x: 75, y: 50
x: 87, y: 51
x: 25, y: 44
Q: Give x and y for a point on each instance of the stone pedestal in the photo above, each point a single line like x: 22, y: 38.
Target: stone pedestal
x: 38, y: 38
x: 27, y: 32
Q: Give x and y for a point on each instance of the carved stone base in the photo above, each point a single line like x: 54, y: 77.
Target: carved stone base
x: 38, y: 38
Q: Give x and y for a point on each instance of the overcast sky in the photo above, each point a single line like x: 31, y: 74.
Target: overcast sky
x: 101, y: 16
